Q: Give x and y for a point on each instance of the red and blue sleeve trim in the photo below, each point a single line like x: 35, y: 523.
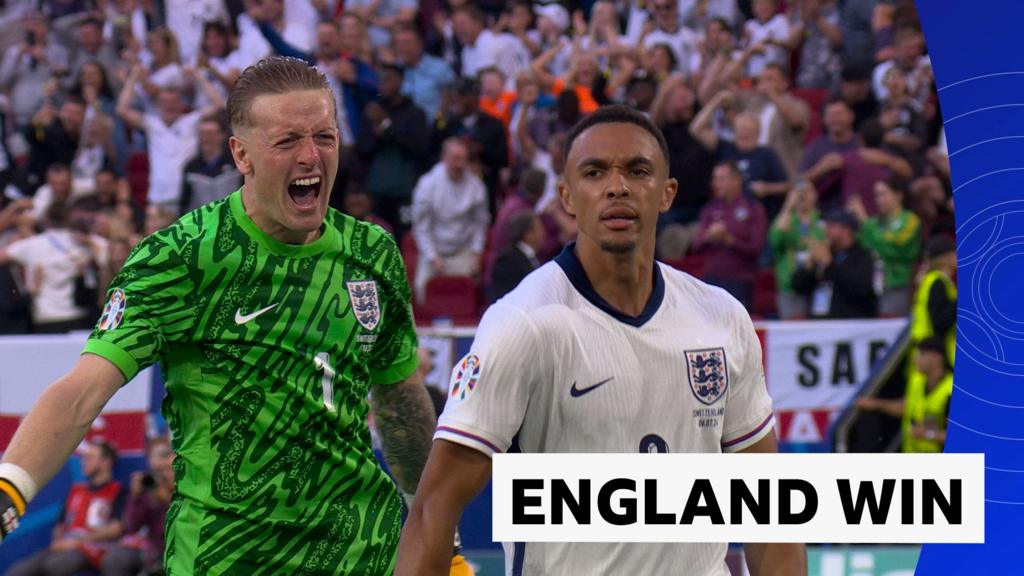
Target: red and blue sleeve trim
x: 474, y: 437
x: 748, y: 435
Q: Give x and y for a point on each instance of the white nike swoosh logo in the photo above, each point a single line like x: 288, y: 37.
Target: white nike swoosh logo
x: 243, y: 318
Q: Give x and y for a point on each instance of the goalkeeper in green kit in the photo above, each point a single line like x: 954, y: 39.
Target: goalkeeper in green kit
x: 274, y: 317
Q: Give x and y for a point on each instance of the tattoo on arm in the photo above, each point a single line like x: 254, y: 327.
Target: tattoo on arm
x: 405, y: 421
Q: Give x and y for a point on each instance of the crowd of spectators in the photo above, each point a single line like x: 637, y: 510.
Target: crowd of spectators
x: 105, y: 527
x: 805, y: 136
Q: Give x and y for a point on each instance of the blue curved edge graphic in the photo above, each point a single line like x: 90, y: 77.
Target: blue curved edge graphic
x: 979, y: 72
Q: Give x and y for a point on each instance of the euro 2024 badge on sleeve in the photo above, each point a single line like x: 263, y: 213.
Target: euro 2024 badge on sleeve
x: 708, y: 374
x: 465, y: 377
x: 365, y: 304
x: 113, y: 311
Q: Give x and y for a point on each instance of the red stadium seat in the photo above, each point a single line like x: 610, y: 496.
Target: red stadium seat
x: 137, y: 173
x: 692, y: 265
x: 764, y: 294
x: 815, y: 98
x: 455, y: 297
x: 411, y: 255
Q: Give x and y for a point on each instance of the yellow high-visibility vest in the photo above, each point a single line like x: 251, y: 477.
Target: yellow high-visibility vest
x: 927, y: 408
x: 921, y: 323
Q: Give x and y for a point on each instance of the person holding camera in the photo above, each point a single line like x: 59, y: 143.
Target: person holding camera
x: 27, y: 67
x: 838, y: 276
x: 797, y: 227
x: 141, y: 549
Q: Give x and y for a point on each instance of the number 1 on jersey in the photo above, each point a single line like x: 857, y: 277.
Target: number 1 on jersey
x: 323, y: 362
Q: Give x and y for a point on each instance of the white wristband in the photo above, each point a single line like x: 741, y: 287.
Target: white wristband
x: 22, y: 481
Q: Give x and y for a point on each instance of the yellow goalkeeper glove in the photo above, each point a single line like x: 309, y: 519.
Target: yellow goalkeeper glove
x: 16, y: 489
x: 460, y: 567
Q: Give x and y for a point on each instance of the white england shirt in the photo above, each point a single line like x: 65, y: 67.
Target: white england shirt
x: 554, y: 368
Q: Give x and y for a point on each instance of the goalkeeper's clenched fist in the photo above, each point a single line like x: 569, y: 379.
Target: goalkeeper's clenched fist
x: 12, y: 507
x: 16, y: 490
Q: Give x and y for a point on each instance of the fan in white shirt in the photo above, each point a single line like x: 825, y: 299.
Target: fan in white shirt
x: 449, y: 218
x: 482, y: 48
x: 52, y: 260
x: 171, y: 134
x: 602, y: 350
x: 290, y: 19
x: 909, y: 57
x: 186, y: 18
x: 669, y: 31
x: 217, y: 61
x: 769, y: 29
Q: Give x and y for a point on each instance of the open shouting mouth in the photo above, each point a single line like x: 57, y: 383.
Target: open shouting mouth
x: 305, y: 192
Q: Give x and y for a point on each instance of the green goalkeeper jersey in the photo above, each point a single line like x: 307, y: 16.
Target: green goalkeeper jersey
x: 268, y: 352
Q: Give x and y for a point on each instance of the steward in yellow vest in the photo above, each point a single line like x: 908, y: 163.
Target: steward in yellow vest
x: 926, y: 402
x: 934, y: 312
x: 924, y: 409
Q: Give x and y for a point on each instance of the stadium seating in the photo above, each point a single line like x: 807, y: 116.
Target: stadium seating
x: 764, y: 294
x: 691, y: 264
x: 137, y: 174
x: 815, y: 98
x: 454, y: 297
x: 411, y: 255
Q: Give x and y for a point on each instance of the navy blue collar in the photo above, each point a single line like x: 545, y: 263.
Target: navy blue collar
x: 570, y: 264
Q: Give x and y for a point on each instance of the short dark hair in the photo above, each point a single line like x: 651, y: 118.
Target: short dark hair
x: 58, y: 214
x: 732, y: 166
x: 57, y: 168
x: 872, y: 133
x: 490, y: 70
x: 668, y: 50
x: 781, y: 67
x: 843, y: 218
x: 472, y: 11
x: 898, y: 185
x: 218, y: 27
x: 855, y: 73
x: 936, y: 345
x: 408, y: 29
x: 467, y: 86
x: 219, y: 118
x: 533, y: 182
x: 107, y: 450
x: 273, y: 75
x: 74, y: 99
x: 836, y: 100
x: 392, y: 68
x: 725, y: 24
x: 158, y: 441
x: 940, y: 245
x: 617, y: 114
x: 519, y: 225
x: 91, y: 21
x: 904, y: 33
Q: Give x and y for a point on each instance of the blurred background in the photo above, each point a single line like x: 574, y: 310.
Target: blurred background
x: 805, y: 134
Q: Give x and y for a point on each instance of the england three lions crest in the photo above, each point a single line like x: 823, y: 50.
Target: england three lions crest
x: 708, y: 373
x: 365, y: 304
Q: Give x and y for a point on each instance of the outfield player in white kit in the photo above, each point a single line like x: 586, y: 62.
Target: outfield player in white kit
x: 602, y: 350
